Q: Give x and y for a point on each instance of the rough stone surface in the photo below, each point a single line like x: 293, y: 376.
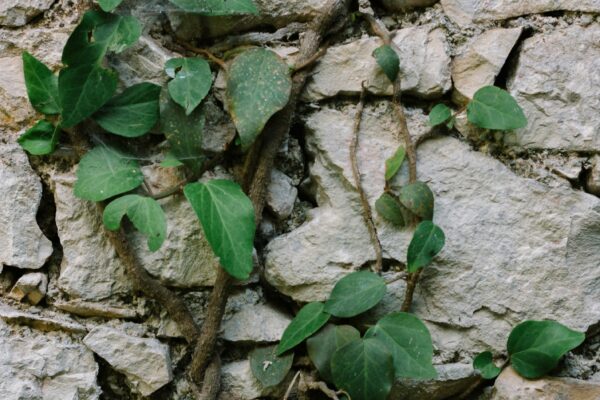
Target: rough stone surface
x: 256, y: 323
x: 452, y: 380
x: 91, y: 309
x: 145, y: 362
x: 401, y: 5
x: 238, y: 383
x: 593, y: 179
x: 19, y: 12
x: 47, y: 321
x: 281, y: 194
x: 31, y: 286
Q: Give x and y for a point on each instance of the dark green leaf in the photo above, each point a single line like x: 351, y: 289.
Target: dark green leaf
x: 364, y: 369
x: 418, y: 199
x: 484, y: 363
x: 322, y: 346
x: 227, y: 218
x: 409, y: 342
x: 145, y: 213
x: 390, y: 209
x: 104, y: 172
x: 355, y: 294
x: 269, y: 368
x: 308, y: 321
x: 388, y: 60
x: 42, y: 85
x: 109, y: 5
x: 132, y: 113
x: 258, y: 85
x: 191, y: 82
x: 439, y: 114
x: 170, y: 161
x: 535, y: 347
x: 428, y: 240
x: 393, y: 164
x: 494, y: 108
x: 41, y: 139
x: 217, y: 7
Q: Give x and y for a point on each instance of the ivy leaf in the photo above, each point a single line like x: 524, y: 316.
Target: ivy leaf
x: 355, y: 294
x: 41, y: 139
x: 428, y: 240
x: 191, y: 82
x: 535, y: 347
x: 109, y: 5
x: 388, y: 60
x: 105, y: 172
x: 227, y: 218
x: 393, y: 164
x: 308, y: 321
x: 418, y: 199
x: 170, y: 161
x: 390, y: 209
x: 83, y: 90
x: 132, y: 113
x: 258, y: 85
x: 41, y: 84
x: 322, y: 346
x: 439, y: 115
x: 484, y: 363
x: 269, y: 368
x: 494, y: 108
x: 144, y: 212
x: 217, y: 7
x: 409, y: 342
x: 364, y: 369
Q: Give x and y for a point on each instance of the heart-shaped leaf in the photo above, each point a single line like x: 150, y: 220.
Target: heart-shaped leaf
x: 258, y: 85
x: 227, y: 218
x: 322, y: 346
x: 484, y: 363
x: 41, y: 139
x: 418, y: 199
x: 132, y: 113
x: 494, y: 108
x: 355, y: 293
x: 393, y: 164
x: 217, y: 7
x: 145, y: 213
x: 428, y: 240
x: 535, y: 347
x: 109, y: 5
x: 390, y: 209
x: 439, y: 114
x: 191, y: 82
x: 308, y: 321
x: 269, y: 368
x: 388, y: 60
x: 41, y: 84
x: 409, y: 342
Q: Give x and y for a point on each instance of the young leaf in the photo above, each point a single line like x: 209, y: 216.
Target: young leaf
x: 409, y: 342
x: 364, y: 369
x: 227, y: 218
x: 132, y: 113
x: 393, y: 164
x: 484, y: 363
x: 535, y: 347
x: 388, y: 60
x: 428, y: 240
x: 41, y: 84
x: 308, y: 321
x: 104, y: 172
x: 355, y: 294
x: 41, y: 139
x: 439, y: 114
x: 217, y: 7
x: 494, y: 108
x: 269, y: 368
x: 258, y: 85
x: 144, y: 212
x: 109, y: 5
x: 390, y: 209
x: 322, y: 346
x: 418, y: 199
x: 83, y: 90
x: 170, y: 161
x: 191, y: 82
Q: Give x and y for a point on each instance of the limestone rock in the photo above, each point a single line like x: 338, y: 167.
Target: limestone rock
x: 259, y: 323
x: 593, y: 178
x: 145, y: 362
x: 47, y: 322
x: 19, y: 12
x: 91, y: 309
x: 281, y: 194
x: 31, y: 286
x: 23, y: 244
x: 401, y: 5
x: 452, y: 380
x: 238, y: 383
x: 559, y: 94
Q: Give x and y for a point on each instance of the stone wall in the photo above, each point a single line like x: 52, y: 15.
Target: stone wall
x: 520, y: 210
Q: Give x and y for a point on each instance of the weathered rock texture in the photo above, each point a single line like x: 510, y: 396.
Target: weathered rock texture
x: 19, y: 12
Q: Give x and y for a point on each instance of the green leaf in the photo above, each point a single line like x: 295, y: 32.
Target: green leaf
x: 428, y: 240
x: 41, y: 139
x: 83, y: 90
x: 109, y: 5
x: 227, y: 218
x: 484, y: 363
x: 439, y: 114
x: 355, y: 294
x: 41, y: 84
x: 393, y: 164
x: 322, y: 346
x: 388, y: 60
x: 170, y: 161
x: 144, y: 212
x: 535, y: 347
x: 409, y: 342
x: 269, y: 368
x: 132, y: 113
x: 258, y: 85
x: 494, y: 108
x: 418, y: 199
x: 390, y: 209
x: 308, y: 321
x: 217, y: 7
x: 191, y: 82
x: 364, y: 369
x: 105, y: 172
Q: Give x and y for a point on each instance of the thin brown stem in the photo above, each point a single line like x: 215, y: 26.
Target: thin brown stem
x: 378, y: 28
x: 311, y: 60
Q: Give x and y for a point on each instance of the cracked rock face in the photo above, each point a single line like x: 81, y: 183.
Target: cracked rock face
x: 18, y: 12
